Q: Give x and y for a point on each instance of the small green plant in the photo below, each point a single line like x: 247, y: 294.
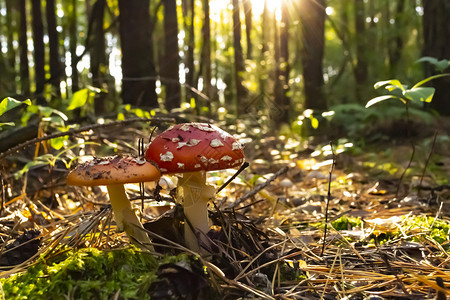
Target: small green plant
x: 9, y: 103
x: 417, y: 93
x: 82, y: 97
x: 50, y: 160
x: 399, y: 91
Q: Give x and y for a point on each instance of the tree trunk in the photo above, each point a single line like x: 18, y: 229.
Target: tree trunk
x: 360, y: 70
x: 436, y: 29
x: 55, y: 63
x: 206, y: 54
x: 39, y: 50
x: 138, y: 67
x: 248, y: 26
x: 98, y: 53
x: 395, y: 39
x: 23, y: 48
x: 170, y: 64
x: 312, y: 18
x: 189, y: 15
x: 283, y: 102
x: 276, y: 112
x: 239, y: 67
x: 73, y: 47
x: 11, y: 27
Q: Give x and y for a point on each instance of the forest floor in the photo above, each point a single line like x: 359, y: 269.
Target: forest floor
x: 282, y: 229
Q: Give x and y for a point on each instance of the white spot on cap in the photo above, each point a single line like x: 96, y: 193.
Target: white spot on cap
x: 202, y: 127
x: 197, y: 166
x: 216, y: 143
x: 166, y: 157
x: 226, y: 158
x: 163, y: 170
x: 185, y: 127
x: 175, y: 140
x: 213, y: 161
x: 181, y: 145
x: 236, y: 146
x: 204, y: 159
x: 140, y: 160
x: 190, y: 143
x: 180, y: 165
x: 193, y: 142
x: 236, y: 162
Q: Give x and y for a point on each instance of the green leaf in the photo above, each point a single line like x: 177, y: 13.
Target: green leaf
x: 59, y: 142
x: 428, y: 59
x: 424, y: 94
x: 442, y: 65
x: 390, y: 83
x: 7, y: 124
x: 430, y: 78
x: 9, y: 103
x: 381, y: 98
x: 314, y: 123
x: 79, y: 99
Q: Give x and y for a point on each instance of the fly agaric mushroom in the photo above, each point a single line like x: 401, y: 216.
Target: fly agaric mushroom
x: 193, y: 149
x: 114, y: 172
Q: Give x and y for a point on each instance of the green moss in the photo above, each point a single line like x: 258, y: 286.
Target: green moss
x: 87, y: 274
x: 346, y: 223
x: 437, y: 229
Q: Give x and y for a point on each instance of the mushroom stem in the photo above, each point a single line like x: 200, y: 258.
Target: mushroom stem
x: 196, y: 194
x: 125, y: 217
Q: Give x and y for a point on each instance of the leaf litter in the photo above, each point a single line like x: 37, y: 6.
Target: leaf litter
x: 267, y: 239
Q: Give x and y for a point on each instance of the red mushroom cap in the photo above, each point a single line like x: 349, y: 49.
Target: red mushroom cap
x: 192, y: 147
x: 113, y: 170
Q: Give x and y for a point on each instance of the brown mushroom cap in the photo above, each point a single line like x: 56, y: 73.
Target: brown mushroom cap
x: 192, y: 147
x: 113, y: 170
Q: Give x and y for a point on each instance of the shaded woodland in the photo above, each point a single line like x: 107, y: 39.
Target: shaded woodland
x: 339, y: 119
x: 277, y: 59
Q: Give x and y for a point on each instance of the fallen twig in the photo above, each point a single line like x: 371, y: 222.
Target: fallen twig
x: 258, y: 188
x: 81, y: 129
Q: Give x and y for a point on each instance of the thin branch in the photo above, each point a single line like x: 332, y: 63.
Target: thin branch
x: 328, y: 200
x: 81, y: 129
x: 259, y: 187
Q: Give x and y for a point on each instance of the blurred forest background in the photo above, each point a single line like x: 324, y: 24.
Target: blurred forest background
x: 272, y: 60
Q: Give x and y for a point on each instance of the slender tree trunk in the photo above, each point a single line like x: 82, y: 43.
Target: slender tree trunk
x: 55, y: 63
x: 39, y: 50
x: 361, y: 69
x: 436, y: 29
x: 206, y: 54
x: 283, y: 76
x: 23, y: 48
x: 395, y: 45
x: 98, y: 53
x: 170, y: 66
x: 262, y: 70
x: 239, y: 67
x: 138, y: 66
x: 312, y: 18
x: 10, y: 29
x: 248, y: 26
x: 189, y: 15
x: 73, y: 47
x: 276, y: 112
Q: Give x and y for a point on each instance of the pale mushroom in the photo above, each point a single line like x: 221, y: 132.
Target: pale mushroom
x: 114, y: 172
